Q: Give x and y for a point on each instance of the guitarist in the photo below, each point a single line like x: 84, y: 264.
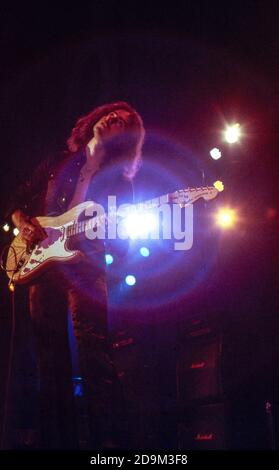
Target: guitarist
x: 102, y: 157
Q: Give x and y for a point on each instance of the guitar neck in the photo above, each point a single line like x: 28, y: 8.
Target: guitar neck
x: 182, y: 197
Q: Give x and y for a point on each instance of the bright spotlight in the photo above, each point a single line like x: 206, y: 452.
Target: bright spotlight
x: 130, y: 280
x: 15, y: 231
x: 109, y: 258
x: 226, y: 218
x: 139, y: 225
x: 215, y: 153
x: 6, y: 227
x: 144, y: 251
x: 11, y: 287
x: 232, y: 133
x: 219, y: 186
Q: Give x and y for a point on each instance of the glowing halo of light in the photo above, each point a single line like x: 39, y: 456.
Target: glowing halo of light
x: 15, y: 231
x: 165, y: 260
x: 162, y: 178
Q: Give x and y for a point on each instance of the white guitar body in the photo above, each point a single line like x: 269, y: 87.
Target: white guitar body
x: 23, y: 265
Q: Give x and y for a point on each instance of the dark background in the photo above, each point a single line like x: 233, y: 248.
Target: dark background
x: 188, y: 68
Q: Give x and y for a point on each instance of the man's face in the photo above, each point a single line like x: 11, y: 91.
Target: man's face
x: 111, y: 125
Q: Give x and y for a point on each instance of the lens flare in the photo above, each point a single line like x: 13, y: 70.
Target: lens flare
x: 144, y: 251
x: 226, y: 218
x: 215, y: 153
x: 139, y: 225
x: 130, y: 280
x: 109, y: 258
x: 232, y: 133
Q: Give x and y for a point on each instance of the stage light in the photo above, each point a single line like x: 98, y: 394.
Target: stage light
x: 215, y: 153
x: 109, y: 258
x: 226, y: 218
x: 139, y: 225
x: 15, y: 231
x: 11, y: 287
x: 219, y: 186
x: 6, y: 227
x: 232, y: 133
x: 130, y: 280
x: 144, y: 251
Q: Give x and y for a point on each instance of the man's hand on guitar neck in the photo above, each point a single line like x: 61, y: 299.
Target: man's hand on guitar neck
x: 30, y: 232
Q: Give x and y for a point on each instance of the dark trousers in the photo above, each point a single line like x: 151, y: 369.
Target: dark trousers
x: 64, y: 423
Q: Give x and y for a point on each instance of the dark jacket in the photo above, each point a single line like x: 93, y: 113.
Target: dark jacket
x: 51, y: 186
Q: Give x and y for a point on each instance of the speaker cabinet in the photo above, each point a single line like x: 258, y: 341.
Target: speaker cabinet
x: 202, y: 428
x: 199, y: 371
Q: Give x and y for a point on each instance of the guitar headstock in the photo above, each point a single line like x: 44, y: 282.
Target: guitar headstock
x: 183, y: 197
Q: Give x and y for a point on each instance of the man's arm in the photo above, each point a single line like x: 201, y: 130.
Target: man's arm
x: 23, y: 203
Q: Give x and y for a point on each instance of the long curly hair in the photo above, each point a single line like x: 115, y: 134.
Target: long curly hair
x: 127, y: 147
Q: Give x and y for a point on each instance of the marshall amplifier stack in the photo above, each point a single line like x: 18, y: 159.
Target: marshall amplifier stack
x: 201, y: 410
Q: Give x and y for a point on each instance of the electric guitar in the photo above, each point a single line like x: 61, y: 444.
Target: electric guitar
x: 25, y: 262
